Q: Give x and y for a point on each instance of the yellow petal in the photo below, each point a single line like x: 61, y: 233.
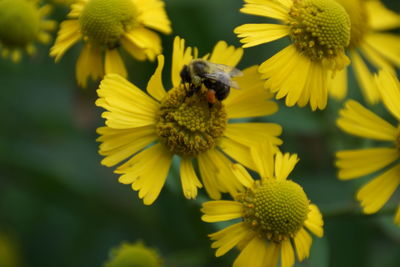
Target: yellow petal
x: 242, y: 175
x: 376, y: 193
x: 338, y: 85
x: 67, y: 36
x: 287, y: 254
x: 148, y: 41
x: 258, y: 253
x: 263, y: 157
x: 135, y: 51
x: 284, y: 164
x: 224, y: 54
x: 221, y: 210
x: 254, y: 132
x: 356, y: 163
x: 89, y: 64
x: 357, y: 120
x: 114, y: 63
x: 237, y: 151
x: 387, y: 44
x: 155, y: 87
x: 389, y: 87
x: 375, y: 57
x: 189, y: 179
x: 208, y: 173
x: 144, y: 177
x: 269, y: 9
x: 302, y: 242
x: 255, y: 34
x: 380, y: 18
x: 152, y: 14
x: 314, y: 221
x: 180, y: 57
x: 229, y: 237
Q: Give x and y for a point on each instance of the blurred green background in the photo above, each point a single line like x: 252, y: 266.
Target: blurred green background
x: 60, y: 207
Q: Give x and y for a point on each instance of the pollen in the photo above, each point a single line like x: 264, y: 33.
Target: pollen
x: 320, y: 29
x: 275, y: 209
x: 359, y: 20
x: 188, y: 126
x: 19, y: 23
x: 103, y: 22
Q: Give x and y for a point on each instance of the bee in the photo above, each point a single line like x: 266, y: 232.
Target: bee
x: 217, y: 78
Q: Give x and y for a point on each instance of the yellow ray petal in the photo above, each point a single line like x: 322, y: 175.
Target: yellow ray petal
x: 254, y: 132
x: 229, y: 237
x: 356, y: 163
x: 152, y: 14
x: 375, y: 57
x: 222, y: 210
x: 224, y: 54
x: 287, y: 254
x: 318, y: 86
x: 135, y: 51
x: 67, y: 36
x: 263, y: 157
x: 242, y: 175
x: 237, y: 151
x: 155, y: 87
x: 387, y: 44
x: 189, y: 179
x: 357, y: 120
x: 302, y: 242
x: 144, y: 177
x: 257, y: 253
x: 380, y: 18
x: 269, y: 9
x: 146, y: 40
x: 376, y: 193
x: 284, y: 164
x: 338, y: 85
x: 89, y: 64
x: 255, y: 34
x: 314, y: 221
x: 389, y: 87
x: 208, y: 173
x: 180, y: 57
x: 114, y: 63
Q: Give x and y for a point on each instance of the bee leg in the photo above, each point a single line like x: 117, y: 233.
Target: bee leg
x: 193, y: 89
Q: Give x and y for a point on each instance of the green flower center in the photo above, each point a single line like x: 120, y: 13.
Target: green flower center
x: 19, y: 23
x: 320, y: 29
x: 105, y: 21
x: 188, y: 126
x: 276, y: 209
x: 359, y: 20
x: 137, y: 255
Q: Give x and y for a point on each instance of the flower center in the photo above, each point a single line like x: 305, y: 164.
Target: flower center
x: 276, y: 209
x: 188, y: 126
x: 320, y: 29
x: 105, y: 21
x: 359, y: 20
x: 133, y: 255
x: 19, y: 22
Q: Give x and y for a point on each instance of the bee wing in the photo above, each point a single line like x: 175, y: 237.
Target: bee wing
x: 232, y: 71
x: 222, y: 77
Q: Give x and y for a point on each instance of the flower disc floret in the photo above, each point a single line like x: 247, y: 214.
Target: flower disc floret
x: 188, y: 126
x: 276, y: 209
x: 105, y: 21
x: 19, y: 23
x: 320, y: 29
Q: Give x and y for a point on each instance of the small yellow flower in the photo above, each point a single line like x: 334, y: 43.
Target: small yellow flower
x: 151, y: 129
x: 319, y: 31
x: 104, y: 26
x: 22, y: 23
x: 368, y: 19
x: 133, y: 255
x: 357, y: 120
x: 275, y: 212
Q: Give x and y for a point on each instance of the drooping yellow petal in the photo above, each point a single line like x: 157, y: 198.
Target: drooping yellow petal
x: 256, y: 34
x: 380, y: 18
x: 251, y: 100
x: 287, y: 254
x: 89, y: 64
x: 284, y: 164
x: 180, y: 57
x: 387, y: 44
x: 229, y: 237
x: 208, y: 173
x: 118, y: 145
x: 237, y: 151
x: 221, y: 210
x: 224, y: 54
x: 314, y: 221
x: 338, y: 85
x: 376, y: 193
x: 389, y: 87
x: 365, y: 78
x: 269, y: 9
x: 144, y: 176
x: 242, y: 175
x: 258, y: 253
x: 254, y: 132
x: 114, y: 63
x: 155, y: 87
x: 189, y: 179
x: 263, y: 157
x: 375, y: 57
x: 152, y: 14
x: 67, y: 36
x: 146, y: 40
x: 356, y: 163
x: 357, y: 120
x: 302, y: 242
x: 134, y: 50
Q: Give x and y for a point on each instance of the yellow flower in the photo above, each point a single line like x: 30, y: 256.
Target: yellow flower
x: 276, y: 215
x: 176, y: 124
x: 368, y: 19
x: 357, y: 120
x: 135, y: 255
x: 104, y: 26
x: 319, y: 31
x: 22, y: 23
